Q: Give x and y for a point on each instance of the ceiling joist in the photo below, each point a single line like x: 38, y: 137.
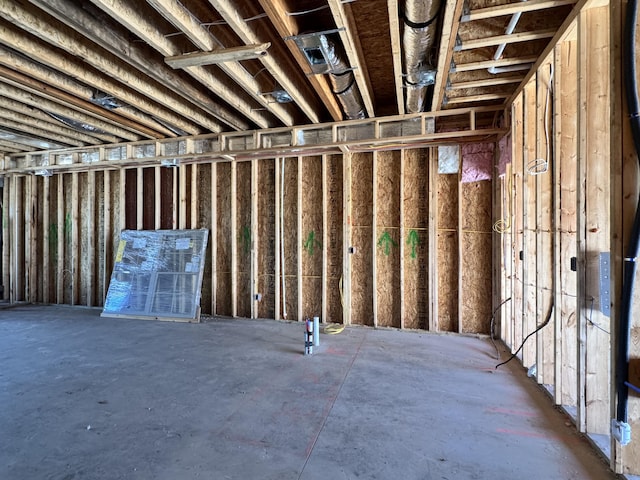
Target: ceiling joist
x: 515, y: 7
x: 234, y: 54
x: 505, y: 39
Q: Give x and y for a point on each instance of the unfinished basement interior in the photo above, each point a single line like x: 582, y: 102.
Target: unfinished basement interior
x: 319, y: 239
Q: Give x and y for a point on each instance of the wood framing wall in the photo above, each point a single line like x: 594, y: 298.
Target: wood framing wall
x: 567, y: 213
x: 369, y: 238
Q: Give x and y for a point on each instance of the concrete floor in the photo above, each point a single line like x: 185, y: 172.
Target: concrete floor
x: 84, y: 397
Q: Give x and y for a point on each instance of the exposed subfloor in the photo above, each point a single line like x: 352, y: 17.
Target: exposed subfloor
x: 84, y: 397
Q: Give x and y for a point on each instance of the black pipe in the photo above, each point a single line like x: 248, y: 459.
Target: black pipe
x: 624, y: 325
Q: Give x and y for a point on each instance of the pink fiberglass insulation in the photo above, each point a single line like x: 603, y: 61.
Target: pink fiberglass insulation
x: 477, y: 162
x: 504, y: 154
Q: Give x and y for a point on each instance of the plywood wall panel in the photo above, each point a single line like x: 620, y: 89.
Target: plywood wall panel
x: 362, y: 221
x: 334, y: 236
x: 266, y: 238
x: 311, y: 182
x: 291, y: 237
x: 223, y: 237
x: 244, y: 238
x: 447, y: 254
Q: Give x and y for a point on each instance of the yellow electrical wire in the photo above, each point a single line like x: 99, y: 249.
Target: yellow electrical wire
x: 333, y: 329
x: 504, y: 224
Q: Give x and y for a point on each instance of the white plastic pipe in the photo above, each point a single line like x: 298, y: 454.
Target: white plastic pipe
x: 515, y: 18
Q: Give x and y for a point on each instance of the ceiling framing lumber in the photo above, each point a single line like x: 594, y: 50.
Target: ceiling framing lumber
x: 511, y: 8
x: 214, y: 57
x: 450, y: 24
x: 203, y: 39
x: 351, y: 43
x: 475, y: 98
x: 287, y: 28
x: 47, y: 82
x: 249, y: 36
x: 33, y: 129
x: 73, y: 66
x: 13, y: 110
x: 80, y: 21
x: 486, y: 82
x: 484, y: 65
x: 506, y: 39
x: 396, y: 52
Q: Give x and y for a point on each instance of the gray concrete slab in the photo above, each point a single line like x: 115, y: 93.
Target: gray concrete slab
x: 90, y: 398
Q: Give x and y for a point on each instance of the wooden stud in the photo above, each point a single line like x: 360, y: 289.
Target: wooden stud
x: 401, y: 266
x: 60, y: 280
x: 278, y: 239
x: 213, y: 238
x: 107, y: 239
x: 374, y: 239
x: 157, y: 205
x: 234, y: 239
x: 255, y: 241
x: 7, y: 220
x: 460, y: 233
x: 325, y: 237
x: 139, y: 198
x: 432, y: 168
x: 122, y: 199
x: 594, y: 217
x: 299, y: 239
x: 517, y: 285
x: 31, y: 239
x: 530, y: 200
x: 347, y: 232
x: 46, y: 219
x: 396, y: 51
x: 182, y: 195
x: 90, y: 254
x: 194, y: 196
x: 75, y: 239
x: 175, y: 198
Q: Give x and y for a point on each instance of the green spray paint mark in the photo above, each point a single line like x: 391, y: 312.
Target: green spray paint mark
x: 413, y: 240
x: 53, y: 241
x: 245, y: 238
x: 386, y: 242
x: 67, y: 224
x: 311, y: 242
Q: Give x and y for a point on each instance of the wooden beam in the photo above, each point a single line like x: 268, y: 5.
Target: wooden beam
x: 128, y: 52
x: 234, y: 239
x: 139, y: 198
x: 401, y: 266
x: 487, y: 82
x: 213, y: 238
x: 507, y: 39
x: 182, y: 196
x: 278, y: 238
x: 255, y: 240
x: 432, y: 225
x: 450, y: 25
x: 396, y: 52
x: 60, y: 250
x: 287, y: 27
x: 248, y: 35
x: 351, y: 42
x: 7, y: 220
x: 486, y: 64
x: 511, y: 8
x: 46, y: 238
x: 195, y: 203
x: 347, y: 204
x: 325, y: 238
x: 222, y: 55
x: 31, y: 239
x: 476, y: 98
x: 75, y: 239
x: 25, y: 116
x: 165, y: 105
x: 374, y: 237
x: 90, y: 268
x: 299, y: 237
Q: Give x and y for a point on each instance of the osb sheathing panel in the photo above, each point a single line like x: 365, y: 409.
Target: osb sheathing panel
x: 204, y: 221
x: 100, y: 240
x: 52, y: 228
x: 415, y: 199
x: 362, y: 218
x: 149, y: 195
x: 388, y: 239
x: 334, y: 238
x: 266, y: 238
x: 448, y: 281
x: 68, y: 255
x: 244, y: 238
x: 312, y: 236
x: 291, y: 237
x: 476, y: 256
x: 86, y: 222
x: 223, y: 237
x: 447, y: 254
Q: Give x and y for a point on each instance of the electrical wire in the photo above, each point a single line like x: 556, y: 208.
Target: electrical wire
x: 590, y: 319
x: 333, y: 329
x: 504, y: 224
x: 491, y: 332
x: 540, y: 327
x: 541, y: 165
x: 304, y: 12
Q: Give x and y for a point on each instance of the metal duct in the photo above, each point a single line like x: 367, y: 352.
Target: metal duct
x: 343, y: 82
x: 420, y: 29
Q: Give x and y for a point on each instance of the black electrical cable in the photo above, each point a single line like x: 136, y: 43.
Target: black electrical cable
x: 491, y: 332
x: 540, y: 327
x: 624, y: 325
